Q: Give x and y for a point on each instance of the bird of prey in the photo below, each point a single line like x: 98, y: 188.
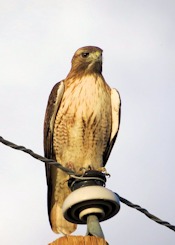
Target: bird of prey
x: 81, y: 125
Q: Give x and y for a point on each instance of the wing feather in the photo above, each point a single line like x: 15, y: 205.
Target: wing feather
x: 116, y: 105
x: 51, y: 111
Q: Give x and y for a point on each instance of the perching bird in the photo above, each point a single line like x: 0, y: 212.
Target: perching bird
x: 81, y: 124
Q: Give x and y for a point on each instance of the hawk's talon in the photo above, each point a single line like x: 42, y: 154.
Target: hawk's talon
x: 84, y: 170
x: 104, y: 171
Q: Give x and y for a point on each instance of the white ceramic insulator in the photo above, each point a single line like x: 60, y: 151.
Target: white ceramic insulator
x: 88, y: 211
x: 86, y: 200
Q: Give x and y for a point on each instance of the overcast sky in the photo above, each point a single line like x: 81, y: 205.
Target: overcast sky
x: 37, y: 42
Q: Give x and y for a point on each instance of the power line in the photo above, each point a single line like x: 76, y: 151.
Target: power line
x: 70, y: 172
x: 36, y: 156
x: 144, y: 211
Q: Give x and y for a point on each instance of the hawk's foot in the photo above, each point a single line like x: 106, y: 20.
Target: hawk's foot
x: 83, y: 170
x: 104, y: 171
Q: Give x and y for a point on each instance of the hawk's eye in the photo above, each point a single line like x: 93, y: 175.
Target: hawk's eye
x: 85, y: 54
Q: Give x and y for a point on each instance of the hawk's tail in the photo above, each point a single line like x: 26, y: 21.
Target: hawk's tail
x: 58, y: 190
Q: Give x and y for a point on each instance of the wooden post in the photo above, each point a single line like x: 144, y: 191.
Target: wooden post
x: 79, y: 240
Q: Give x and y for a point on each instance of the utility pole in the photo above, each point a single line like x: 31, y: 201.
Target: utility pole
x: 79, y: 240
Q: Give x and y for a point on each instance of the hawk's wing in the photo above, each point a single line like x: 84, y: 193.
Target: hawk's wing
x: 51, y: 111
x: 115, y: 104
x: 54, y: 175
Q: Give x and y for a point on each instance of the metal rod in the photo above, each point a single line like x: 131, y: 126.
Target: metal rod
x: 93, y: 226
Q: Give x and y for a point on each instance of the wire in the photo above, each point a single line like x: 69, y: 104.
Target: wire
x: 70, y: 172
x: 36, y: 156
x: 144, y: 211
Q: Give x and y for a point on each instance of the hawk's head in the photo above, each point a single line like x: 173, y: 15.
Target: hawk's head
x: 87, y: 60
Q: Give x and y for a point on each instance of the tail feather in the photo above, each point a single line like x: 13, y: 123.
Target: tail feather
x: 58, y: 222
x: 58, y: 190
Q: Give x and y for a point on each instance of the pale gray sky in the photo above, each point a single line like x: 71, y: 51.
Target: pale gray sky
x: 37, y: 41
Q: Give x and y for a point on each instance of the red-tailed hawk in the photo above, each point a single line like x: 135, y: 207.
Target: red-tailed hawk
x: 81, y: 124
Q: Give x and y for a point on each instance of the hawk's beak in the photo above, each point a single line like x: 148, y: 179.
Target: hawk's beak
x: 98, y: 56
